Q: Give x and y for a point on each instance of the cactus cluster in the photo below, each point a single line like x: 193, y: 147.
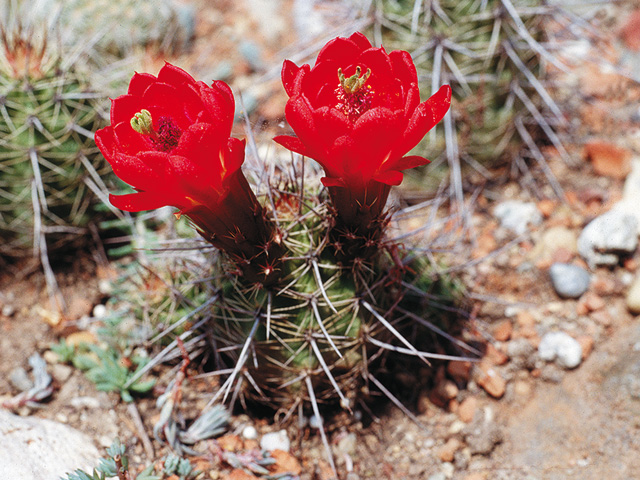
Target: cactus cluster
x: 494, y: 54
x: 123, y: 25
x: 322, y: 335
x: 335, y: 317
x: 308, y: 299
x: 48, y: 161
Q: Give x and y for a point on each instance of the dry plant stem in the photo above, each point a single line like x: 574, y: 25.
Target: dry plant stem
x: 142, y: 434
x: 123, y: 474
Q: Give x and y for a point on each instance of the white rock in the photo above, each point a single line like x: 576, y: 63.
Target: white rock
x: 249, y: 432
x: 517, y: 216
x: 39, y: 449
x: 99, y: 311
x: 315, y: 422
x: 275, y: 441
x: 85, y: 402
x: 561, y: 348
x: 608, y: 236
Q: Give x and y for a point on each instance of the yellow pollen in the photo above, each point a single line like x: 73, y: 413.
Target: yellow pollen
x: 354, y: 82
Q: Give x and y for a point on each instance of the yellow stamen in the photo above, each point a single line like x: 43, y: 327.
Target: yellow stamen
x: 142, y: 122
x: 354, y: 82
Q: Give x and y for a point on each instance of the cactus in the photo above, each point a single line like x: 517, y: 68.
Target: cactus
x: 124, y: 24
x: 48, y: 162
x: 309, y: 297
x: 494, y: 53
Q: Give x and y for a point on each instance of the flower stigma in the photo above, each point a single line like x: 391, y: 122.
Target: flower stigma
x: 165, y: 138
x: 353, y: 96
x: 355, y: 82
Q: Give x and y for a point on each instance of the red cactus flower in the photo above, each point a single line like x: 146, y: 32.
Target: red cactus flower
x: 357, y: 112
x: 169, y: 138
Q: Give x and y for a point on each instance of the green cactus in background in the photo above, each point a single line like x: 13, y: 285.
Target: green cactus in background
x: 494, y: 54
x: 119, y: 26
x: 49, y: 164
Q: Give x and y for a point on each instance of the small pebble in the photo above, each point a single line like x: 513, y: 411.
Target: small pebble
x: 61, y: 372
x: 561, y: 348
x: 467, y: 409
x: 85, y: 402
x: 275, y: 441
x: 517, y: 216
x: 437, y: 476
x: 8, y: 310
x: 633, y: 296
x: 249, y: 432
x: 315, y: 422
x: 569, y: 281
x: 99, y: 311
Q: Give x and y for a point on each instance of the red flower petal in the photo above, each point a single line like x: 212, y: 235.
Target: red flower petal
x: 382, y: 75
x: 161, y: 94
x: 124, y: 108
x: 139, y: 83
x: 106, y: 142
x: 174, y: 75
x: 391, y: 177
x: 219, y: 105
x: 234, y: 155
x: 403, y: 67
x: 138, y: 202
x: 425, y: 117
x: 375, y: 134
x: 289, y: 73
x: 142, y: 171
x: 332, y: 182
x: 129, y: 141
x: 360, y: 40
x: 411, y: 161
x: 341, y: 51
x: 292, y: 143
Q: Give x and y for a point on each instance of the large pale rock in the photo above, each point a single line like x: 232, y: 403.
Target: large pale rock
x: 607, y: 237
x: 37, y: 449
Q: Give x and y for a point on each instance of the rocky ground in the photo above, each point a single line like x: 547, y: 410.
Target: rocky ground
x: 554, y: 288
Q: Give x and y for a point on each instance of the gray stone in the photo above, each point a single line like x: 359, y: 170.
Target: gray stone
x: 517, y: 216
x: 39, y: 449
x: 561, y: 348
x: 569, y: 281
x: 607, y: 237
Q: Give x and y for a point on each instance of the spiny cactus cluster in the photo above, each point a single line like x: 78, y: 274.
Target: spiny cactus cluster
x: 48, y: 161
x: 123, y: 25
x: 329, y: 324
x: 494, y: 54
x: 321, y: 336
x: 310, y: 300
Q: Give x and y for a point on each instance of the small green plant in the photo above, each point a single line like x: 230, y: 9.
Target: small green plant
x: 111, y: 371
x: 116, y: 465
x: 106, y: 366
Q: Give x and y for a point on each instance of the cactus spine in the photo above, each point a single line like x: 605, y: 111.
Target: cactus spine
x: 47, y: 157
x: 494, y: 54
